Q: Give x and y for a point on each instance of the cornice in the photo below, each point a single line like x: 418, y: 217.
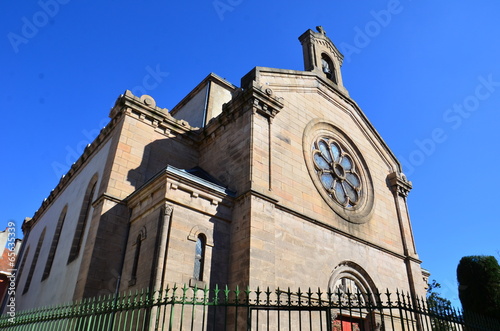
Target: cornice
x: 171, y: 178
x: 346, y: 234
x: 252, y: 98
x: 76, y: 167
x: 181, y: 176
x: 259, y: 195
x: 276, y: 203
x: 144, y: 108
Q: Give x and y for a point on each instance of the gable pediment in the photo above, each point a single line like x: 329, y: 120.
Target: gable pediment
x: 287, y: 84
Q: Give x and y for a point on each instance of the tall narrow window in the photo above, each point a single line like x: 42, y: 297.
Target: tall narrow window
x: 23, y: 262
x: 82, y: 220
x: 34, y: 261
x: 133, y: 276
x: 55, y: 242
x: 199, y: 257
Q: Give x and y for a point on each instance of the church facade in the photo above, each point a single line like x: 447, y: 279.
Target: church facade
x: 281, y: 182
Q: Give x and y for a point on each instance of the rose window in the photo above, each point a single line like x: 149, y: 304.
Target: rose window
x: 336, y: 171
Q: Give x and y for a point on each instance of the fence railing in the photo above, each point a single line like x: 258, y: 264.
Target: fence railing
x: 186, y: 308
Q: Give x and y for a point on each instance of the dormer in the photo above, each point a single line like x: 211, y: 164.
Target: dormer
x: 322, y: 57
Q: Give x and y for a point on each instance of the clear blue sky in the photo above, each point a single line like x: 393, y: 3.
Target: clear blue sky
x: 426, y: 74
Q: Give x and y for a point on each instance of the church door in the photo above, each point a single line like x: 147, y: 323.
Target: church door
x: 347, y: 324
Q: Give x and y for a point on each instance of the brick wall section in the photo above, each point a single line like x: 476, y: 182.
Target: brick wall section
x: 225, y: 150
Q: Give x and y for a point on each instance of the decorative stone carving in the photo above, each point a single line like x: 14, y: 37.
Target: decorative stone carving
x: 256, y: 99
x: 168, y: 209
x: 143, y: 233
x: 196, y: 230
x: 148, y: 100
x: 399, y: 183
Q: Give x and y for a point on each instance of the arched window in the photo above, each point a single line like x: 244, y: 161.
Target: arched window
x: 55, y: 242
x: 82, y: 219
x: 138, y: 242
x: 199, y: 257
x: 34, y: 261
x: 23, y: 263
x: 328, y: 68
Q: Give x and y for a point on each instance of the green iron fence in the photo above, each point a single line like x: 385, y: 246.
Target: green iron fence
x: 186, y: 308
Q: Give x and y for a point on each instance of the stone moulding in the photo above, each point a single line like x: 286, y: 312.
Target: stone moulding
x: 252, y: 98
x: 171, y: 178
x: 144, y: 108
x: 75, y: 168
x: 399, y: 183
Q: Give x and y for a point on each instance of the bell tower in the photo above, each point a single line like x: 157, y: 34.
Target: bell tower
x: 322, y: 57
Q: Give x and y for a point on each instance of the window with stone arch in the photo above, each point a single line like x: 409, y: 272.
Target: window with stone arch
x: 328, y: 68
x: 34, y: 262
x: 82, y: 219
x: 199, y: 257
x: 351, y: 286
x: 138, y: 243
x: 202, y: 239
x: 55, y: 242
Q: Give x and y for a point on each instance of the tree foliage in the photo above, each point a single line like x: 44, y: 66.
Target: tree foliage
x: 439, y: 306
x: 479, y: 285
x: 434, y: 298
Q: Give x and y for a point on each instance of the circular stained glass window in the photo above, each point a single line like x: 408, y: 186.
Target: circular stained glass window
x: 337, y: 172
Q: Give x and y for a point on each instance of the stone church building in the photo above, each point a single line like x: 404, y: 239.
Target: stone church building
x: 280, y: 182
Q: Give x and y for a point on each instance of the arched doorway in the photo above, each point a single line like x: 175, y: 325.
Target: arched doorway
x: 352, y: 291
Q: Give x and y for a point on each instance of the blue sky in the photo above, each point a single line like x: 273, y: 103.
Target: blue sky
x: 426, y: 74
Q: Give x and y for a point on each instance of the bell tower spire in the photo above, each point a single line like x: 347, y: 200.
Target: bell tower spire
x: 322, y: 57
